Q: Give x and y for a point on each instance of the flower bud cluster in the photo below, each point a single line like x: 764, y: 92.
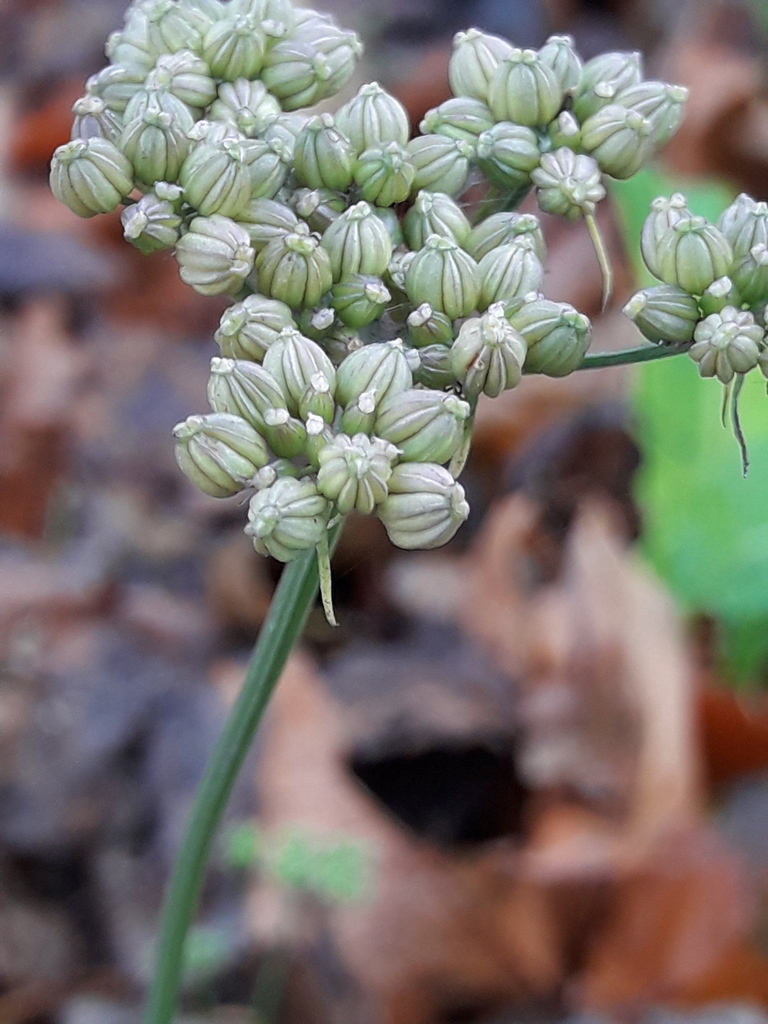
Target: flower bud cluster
x: 714, y: 289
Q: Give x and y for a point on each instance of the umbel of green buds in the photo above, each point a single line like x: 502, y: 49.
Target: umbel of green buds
x: 425, y: 425
x: 488, y: 354
x: 287, y: 518
x: 445, y: 276
x: 354, y: 472
x: 215, y: 255
x: 665, y: 314
x: 425, y: 506
x: 90, y: 176
x: 727, y: 343
x: 219, y: 452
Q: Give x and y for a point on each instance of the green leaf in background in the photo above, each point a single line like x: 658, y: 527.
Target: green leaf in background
x: 705, y: 526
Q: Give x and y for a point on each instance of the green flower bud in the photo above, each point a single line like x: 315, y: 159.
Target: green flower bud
x: 319, y: 207
x: 117, y: 84
x: 384, y: 174
x: 90, y: 176
x: 659, y: 103
x: 317, y: 399
x: 150, y: 98
x: 445, y: 276
x: 381, y: 368
x: 727, y: 343
x: 248, y: 328
x: 459, y: 118
x: 619, y: 139
x: 525, y: 90
x: 357, y: 242
x: 151, y: 224
x: 372, y: 118
x: 216, y: 177
x: 507, y: 153
x: 749, y: 274
x: 441, y: 164
x: 665, y: 213
x: 744, y: 223
x: 504, y: 229
x: 285, y: 128
x: 266, y: 219
x: 475, y: 57
x: 434, y: 369
x: 317, y: 323
x: 340, y: 49
x: 324, y: 158
x: 391, y: 221
x: 360, y: 415
x: 556, y: 334
x: 719, y: 294
x: 339, y: 342
x: 94, y: 118
x: 131, y: 46
x: 295, y: 269
x: 214, y: 256
x: 186, y: 75
x: 286, y: 436
x: 488, y: 354
x: 219, y: 452
x: 268, y: 162
x: 568, y: 184
x: 319, y: 434
x: 359, y: 299
x: 276, y: 469
x: 279, y: 15
x: 559, y: 55
x: 397, y: 269
x: 426, y: 426
x: 565, y: 130
x: 173, y: 26
x: 354, y: 472
x: 693, y: 254
x: 664, y: 314
x: 427, y: 326
x: 246, y: 105
x: 235, y: 47
x: 244, y: 389
x: 288, y: 518
x: 509, y: 272
x: 602, y: 79
x: 156, y: 144
x: 424, y: 508
x: 295, y: 72
x: 293, y: 360
x: 434, y: 213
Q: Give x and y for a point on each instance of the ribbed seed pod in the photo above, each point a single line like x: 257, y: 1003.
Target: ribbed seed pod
x: 660, y: 103
x: 248, y: 328
x: 214, y: 256
x: 458, y: 118
x: 727, y: 343
x: 441, y: 164
x: 559, y: 55
x: 568, y: 184
x: 90, y: 176
x: 556, y: 334
x: 359, y: 299
x: 94, y: 118
x: 602, y: 79
x: 244, y: 389
x: 246, y: 105
x: 235, y: 47
x: 445, y: 276
x: 187, y: 76
x: 384, y: 174
x: 265, y: 219
x: 354, y: 472
x: 525, y: 90
x: 427, y: 326
x: 372, y: 118
x: 664, y: 214
x: 293, y: 360
x: 295, y: 269
x: 488, y: 354
x: 219, y: 452
x: 509, y: 272
x: 504, y: 229
x: 288, y: 518
x: 424, y: 425
x: 507, y: 153
x: 216, y: 177
x: 693, y: 253
x: 156, y: 144
x: 324, y: 158
x: 357, y: 242
x: 434, y: 213
x: 621, y: 140
x: 664, y: 314
x: 380, y: 367
x: 475, y: 57
x: 151, y: 224
x: 424, y: 508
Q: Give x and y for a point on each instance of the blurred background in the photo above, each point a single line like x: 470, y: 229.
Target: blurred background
x: 526, y: 779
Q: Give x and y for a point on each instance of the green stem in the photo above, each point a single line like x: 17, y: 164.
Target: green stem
x: 624, y: 357
x: 288, y: 612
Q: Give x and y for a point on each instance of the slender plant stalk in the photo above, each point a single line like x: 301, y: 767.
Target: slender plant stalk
x: 624, y: 357
x: 288, y: 613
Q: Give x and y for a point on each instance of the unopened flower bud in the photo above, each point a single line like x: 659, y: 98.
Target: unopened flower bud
x: 317, y: 399
x: 445, y: 276
x: 727, y: 343
x: 384, y: 174
x: 248, y: 328
x: 187, y: 76
x: 459, y: 118
x: 293, y: 360
x: 117, y: 84
x: 509, y: 271
x: 295, y: 72
x: 357, y: 242
x: 434, y: 370
x: 244, y: 104
x: 565, y: 130
x: 659, y: 103
x: 556, y: 334
x: 90, y: 176
x: 749, y: 274
x: 319, y: 207
x: 324, y: 158
x: 693, y: 254
x: 156, y: 144
x: 425, y: 506
x: 244, y: 389
x: 288, y: 518
x: 663, y: 215
x: 265, y: 219
x: 664, y: 314
x: 359, y: 299
x: 216, y: 177
x: 568, y: 184
x: 442, y: 164
x: 434, y: 213
x: 504, y: 229
x: 234, y: 47
x: 215, y: 255
x: 426, y: 426
x: 602, y: 79
x: 285, y: 434
x: 360, y: 415
x: 295, y: 269
x: 372, y: 118
x: 488, y: 354
x: 475, y: 57
x: 718, y: 295
x: 380, y: 367
x: 428, y: 326
x: 151, y: 224
x: 354, y: 472
x: 219, y: 452
x: 340, y: 48
x: 744, y: 223
x: 319, y: 434
x: 507, y: 153
x: 94, y: 118
x: 559, y: 55
x: 525, y: 90
x: 619, y: 139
